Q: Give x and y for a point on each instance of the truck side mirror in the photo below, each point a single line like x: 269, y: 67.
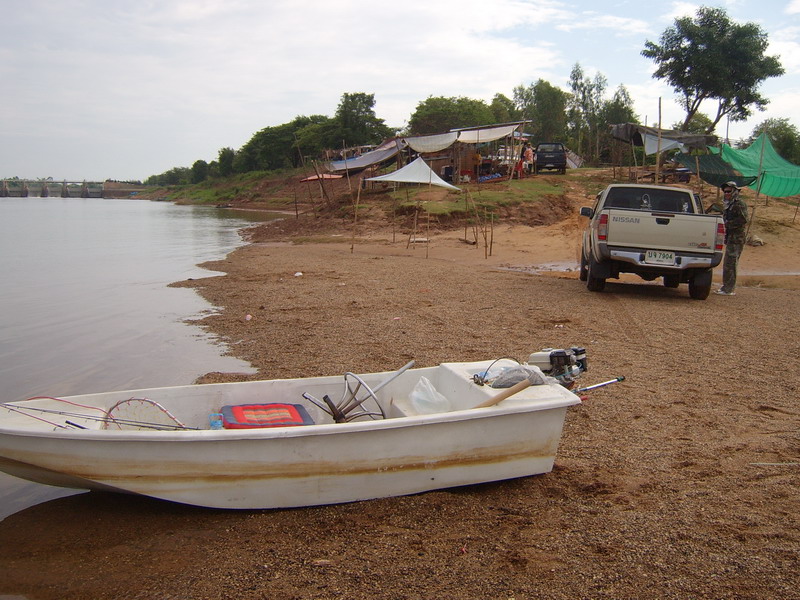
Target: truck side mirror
x: 586, y: 211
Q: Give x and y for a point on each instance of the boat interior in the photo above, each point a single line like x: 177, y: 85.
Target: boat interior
x: 407, y: 392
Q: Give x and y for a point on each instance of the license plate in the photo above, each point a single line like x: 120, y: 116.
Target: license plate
x: 659, y: 257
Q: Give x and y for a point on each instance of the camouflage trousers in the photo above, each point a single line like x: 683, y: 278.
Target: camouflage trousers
x: 733, y: 250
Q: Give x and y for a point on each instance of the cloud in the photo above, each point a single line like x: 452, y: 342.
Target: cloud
x: 785, y: 43
x: 162, y: 83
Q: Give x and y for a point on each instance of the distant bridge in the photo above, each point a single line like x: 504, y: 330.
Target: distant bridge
x: 22, y: 188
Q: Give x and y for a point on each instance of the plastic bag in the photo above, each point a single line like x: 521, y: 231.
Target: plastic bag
x: 427, y: 400
x: 514, y: 375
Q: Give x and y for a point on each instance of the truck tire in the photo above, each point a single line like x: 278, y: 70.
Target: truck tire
x: 594, y: 284
x: 700, y: 285
x: 672, y: 281
x: 584, y: 272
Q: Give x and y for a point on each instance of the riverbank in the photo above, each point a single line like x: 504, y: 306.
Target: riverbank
x: 679, y: 482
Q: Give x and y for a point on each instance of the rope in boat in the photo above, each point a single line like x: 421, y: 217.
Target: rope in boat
x: 106, y: 418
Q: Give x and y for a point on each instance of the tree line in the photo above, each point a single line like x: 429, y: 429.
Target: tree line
x: 705, y: 59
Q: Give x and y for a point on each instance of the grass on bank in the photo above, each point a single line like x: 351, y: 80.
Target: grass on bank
x: 261, y: 186
x: 488, y: 197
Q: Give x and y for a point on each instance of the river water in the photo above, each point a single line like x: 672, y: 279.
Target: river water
x: 85, y: 304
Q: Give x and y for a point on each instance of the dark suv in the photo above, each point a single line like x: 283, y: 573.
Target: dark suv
x: 550, y: 155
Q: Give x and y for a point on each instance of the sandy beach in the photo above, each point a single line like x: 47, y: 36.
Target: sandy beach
x: 680, y: 482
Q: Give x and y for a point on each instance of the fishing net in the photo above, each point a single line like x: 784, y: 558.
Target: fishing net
x: 140, y: 413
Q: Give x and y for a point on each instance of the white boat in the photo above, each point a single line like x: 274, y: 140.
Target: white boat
x: 390, y: 440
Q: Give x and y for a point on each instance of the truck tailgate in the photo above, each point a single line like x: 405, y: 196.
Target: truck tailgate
x: 677, y: 232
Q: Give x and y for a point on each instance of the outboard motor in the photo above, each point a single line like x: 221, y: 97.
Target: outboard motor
x: 564, y: 365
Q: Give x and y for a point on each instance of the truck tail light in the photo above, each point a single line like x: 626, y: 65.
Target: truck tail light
x: 602, y: 228
x: 719, y: 242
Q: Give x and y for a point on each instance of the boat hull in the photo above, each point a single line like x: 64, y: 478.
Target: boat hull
x: 319, y: 464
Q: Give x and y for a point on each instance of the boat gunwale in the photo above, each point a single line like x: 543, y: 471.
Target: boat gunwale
x: 510, y: 406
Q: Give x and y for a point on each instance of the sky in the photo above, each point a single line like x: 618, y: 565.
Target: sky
x: 124, y: 89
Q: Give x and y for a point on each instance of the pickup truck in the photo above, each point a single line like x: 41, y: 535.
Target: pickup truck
x: 550, y: 155
x: 653, y: 231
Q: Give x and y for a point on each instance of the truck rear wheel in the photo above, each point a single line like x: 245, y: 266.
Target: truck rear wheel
x: 584, y: 272
x: 594, y: 284
x: 700, y: 285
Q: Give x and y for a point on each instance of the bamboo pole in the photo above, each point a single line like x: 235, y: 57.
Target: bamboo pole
x: 658, y: 149
x: 761, y: 166
x: 491, y: 239
x: 347, y: 170
x: 697, y: 170
x: 355, y: 220
x: 485, y: 237
x: 299, y: 151
x: 427, y: 232
x: 414, y: 233
x: 323, y: 194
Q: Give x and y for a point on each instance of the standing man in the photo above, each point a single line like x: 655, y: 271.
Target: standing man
x: 735, y: 216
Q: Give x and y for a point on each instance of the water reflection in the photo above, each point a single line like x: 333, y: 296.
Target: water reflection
x: 85, y: 304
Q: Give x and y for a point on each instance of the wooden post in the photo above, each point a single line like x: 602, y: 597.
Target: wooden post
x: 485, y: 236
x: 355, y: 221
x: 347, y: 171
x: 414, y: 232
x: 697, y: 168
x: 323, y: 193
x: 658, y: 149
x: 427, y: 232
x: 491, y: 238
x: 760, y: 167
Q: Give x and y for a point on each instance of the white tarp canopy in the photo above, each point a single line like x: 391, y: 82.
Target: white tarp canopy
x: 489, y: 134
x: 417, y: 171
x: 431, y: 143
x: 440, y: 141
x: 652, y: 144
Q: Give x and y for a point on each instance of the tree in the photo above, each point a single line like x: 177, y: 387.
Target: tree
x: 355, y: 122
x: 620, y: 108
x: 175, y: 176
x: 199, y: 171
x: 784, y: 136
x: 503, y: 109
x: 276, y: 147
x: 225, y: 160
x: 585, y: 111
x: 700, y: 124
x: 545, y: 106
x: 713, y: 58
x: 439, y: 114
x: 617, y: 110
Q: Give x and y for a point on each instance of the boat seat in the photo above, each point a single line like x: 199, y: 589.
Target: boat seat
x: 250, y: 416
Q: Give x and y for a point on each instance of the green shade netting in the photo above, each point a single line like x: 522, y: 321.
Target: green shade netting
x: 713, y: 169
x: 779, y: 177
